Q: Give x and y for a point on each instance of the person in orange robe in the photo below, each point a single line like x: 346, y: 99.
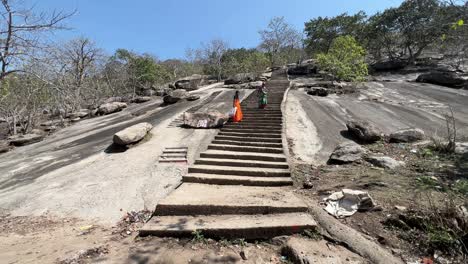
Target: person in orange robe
x: 238, y: 115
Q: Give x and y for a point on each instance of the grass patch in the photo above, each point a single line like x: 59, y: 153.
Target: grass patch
x: 198, y: 237
x: 461, y: 187
x: 313, y: 234
x: 426, y: 183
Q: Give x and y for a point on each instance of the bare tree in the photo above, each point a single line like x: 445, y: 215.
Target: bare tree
x: 20, y: 30
x: 212, y: 54
x: 279, y: 37
x: 78, y: 58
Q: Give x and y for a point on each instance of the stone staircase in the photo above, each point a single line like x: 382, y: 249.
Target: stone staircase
x: 241, y: 186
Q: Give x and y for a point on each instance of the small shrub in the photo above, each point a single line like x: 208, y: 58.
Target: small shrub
x: 441, y: 239
x: 198, y: 237
x: 240, y: 241
x: 313, y: 234
x: 345, y: 60
x: 461, y: 186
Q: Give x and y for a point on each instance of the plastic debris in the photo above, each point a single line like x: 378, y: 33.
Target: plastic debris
x: 347, y: 202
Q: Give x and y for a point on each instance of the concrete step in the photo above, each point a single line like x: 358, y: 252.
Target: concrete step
x: 263, y: 119
x: 245, y: 148
x: 242, y: 163
x: 263, y: 115
x: 219, y: 154
x: 256, y: 111
x: 248, y: 139
x: 237, y: 180
x: 230, y: 226
x: 257, y: 135
x: 252, y: 126
x: 207, y: 199
x: 247, y: 144
x: 253, y: 130
x: 239, y: 171
x: 259, y: 123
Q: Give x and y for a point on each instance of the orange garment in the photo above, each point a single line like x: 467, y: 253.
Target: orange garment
x: 238, y: 115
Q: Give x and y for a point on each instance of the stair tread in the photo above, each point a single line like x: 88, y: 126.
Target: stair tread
x: 226, y: 152
x: 227, y: 199
x: 237, y: 168
x: 247, y: 147
x: 237, y: 180
x: 249, y: 226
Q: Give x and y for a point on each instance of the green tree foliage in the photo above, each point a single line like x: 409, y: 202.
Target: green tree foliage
x: 143, y: 70
x: 344, y: 60
x: 400, y: 33
x: 406, y: 31
x: 321, y: 31
x: 243, y: 60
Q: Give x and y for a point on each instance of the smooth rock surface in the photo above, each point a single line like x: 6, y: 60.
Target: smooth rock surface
x: 132, y: 134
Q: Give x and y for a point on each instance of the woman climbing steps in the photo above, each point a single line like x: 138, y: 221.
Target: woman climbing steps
x: 237, y: 117
x: 262, y: 96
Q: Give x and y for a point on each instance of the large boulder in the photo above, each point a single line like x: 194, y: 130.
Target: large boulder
x: 163, y: 91
x: 114, y: 99
x: 2, y: 120
x: 302, y: 69
x: 22, y: 140
x: 132, y: 134
x: 407, y: 135
x: 363, y: 131
x: 80, y: 114
x: 384, y: 162
x: 175, y: 96
x: 50, y: 123
x: 110, y: 108
x: 141, y: 99
x: 450, y: 79
x: 461, y: 147
x: 193, y: 97
x: 347, y: 152
x: 189, y: 83
x: 392, y: 65
x: 241, y: 78
x: 255, y: 85
x: 318, y: 91
x: 210, y: 119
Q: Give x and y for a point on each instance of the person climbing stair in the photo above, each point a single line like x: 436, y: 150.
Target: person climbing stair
x: 237, y: 117
x: 262, y: 96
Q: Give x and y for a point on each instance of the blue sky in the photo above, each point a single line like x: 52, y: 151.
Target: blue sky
x: 167, y: 28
